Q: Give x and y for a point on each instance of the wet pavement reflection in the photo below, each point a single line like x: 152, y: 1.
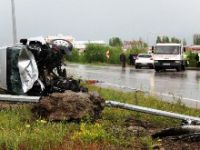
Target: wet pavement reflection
x: 181, y: 85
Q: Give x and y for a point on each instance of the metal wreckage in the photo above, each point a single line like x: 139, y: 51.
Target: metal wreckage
x: 34, y: 69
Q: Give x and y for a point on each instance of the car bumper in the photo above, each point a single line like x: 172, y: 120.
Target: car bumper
x: 145, y: 64
x: 167, y: 64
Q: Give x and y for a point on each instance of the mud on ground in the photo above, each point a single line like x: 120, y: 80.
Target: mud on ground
x: 69, y: 106
x: 139, y: 128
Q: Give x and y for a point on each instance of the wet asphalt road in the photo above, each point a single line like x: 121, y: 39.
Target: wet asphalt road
x: 169, y: 85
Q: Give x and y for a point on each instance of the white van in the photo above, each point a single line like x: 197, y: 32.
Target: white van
x: 168, y: 56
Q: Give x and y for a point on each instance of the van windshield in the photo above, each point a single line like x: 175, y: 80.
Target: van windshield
x: 167, y: 50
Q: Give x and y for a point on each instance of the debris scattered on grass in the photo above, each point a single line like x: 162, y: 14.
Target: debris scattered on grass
x: 189, y: 133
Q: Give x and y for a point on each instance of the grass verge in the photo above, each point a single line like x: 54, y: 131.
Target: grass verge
x: 116, y: 129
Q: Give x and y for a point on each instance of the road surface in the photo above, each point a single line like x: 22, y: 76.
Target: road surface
x: 169, y: 85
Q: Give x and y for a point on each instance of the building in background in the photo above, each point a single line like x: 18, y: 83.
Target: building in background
x: 81, y: 45
x: 193, y: 48
x: 60, y: 36
x: 134, y: 44
x: 127, y: 45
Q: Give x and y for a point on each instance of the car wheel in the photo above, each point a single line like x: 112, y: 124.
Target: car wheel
x: 157, y: 69
x: 151, y: 67
x: 137, y: 67
x: 178, y: 69
x: 183, y: 67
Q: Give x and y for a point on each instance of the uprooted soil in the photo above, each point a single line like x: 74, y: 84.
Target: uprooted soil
x: 69, y: 106
x: 180, y: 145
x: 139, y: 128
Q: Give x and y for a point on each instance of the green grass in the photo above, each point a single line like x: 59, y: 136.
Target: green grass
x: 19, y: 130
x: 138, y: 98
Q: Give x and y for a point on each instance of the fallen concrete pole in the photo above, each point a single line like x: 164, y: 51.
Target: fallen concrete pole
x: 19, y: 98
x: 195, y: 128
x: 187, y: 118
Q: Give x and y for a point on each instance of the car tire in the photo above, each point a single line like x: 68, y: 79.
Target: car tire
x: 157, y: 69
x: 137, y: 67
x: 183, y: 67
x: 178, y: 68
x: 151, y: 66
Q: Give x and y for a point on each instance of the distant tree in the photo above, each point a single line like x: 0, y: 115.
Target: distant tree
x: 115, y: 42
x: 165, y: 39
x: 184, y: 42
x: 175, y: 40
x: 95, y: 53
x: 158, y: 40
x: 142, y: 43
x: 196, y: 39
x: 139, y: 44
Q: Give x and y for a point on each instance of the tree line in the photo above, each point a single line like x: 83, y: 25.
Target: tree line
x: 166, y: 39
x: 196, y: 39
x: 117, y: 42
x: 96, y: 53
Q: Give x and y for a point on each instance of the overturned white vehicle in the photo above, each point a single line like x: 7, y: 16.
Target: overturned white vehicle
x: 34, y: 67
x: 19, y: 70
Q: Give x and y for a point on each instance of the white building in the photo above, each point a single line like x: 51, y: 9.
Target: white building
x: 81, y: 45
x: 60, y: 36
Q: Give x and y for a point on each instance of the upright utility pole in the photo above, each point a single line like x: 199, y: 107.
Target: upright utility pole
x: 14, y: 22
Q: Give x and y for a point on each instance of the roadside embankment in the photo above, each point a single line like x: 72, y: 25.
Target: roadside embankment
x: 115, y: 129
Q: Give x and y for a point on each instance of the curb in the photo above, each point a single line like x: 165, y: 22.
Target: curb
x: 192, y: 68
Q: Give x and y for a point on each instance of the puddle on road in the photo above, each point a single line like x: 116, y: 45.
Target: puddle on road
x: 170, y: 85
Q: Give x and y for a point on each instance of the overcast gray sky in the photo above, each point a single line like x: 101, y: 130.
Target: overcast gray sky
x: 101, y: 19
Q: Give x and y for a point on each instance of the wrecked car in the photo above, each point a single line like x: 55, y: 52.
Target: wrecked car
x: 34, y: 67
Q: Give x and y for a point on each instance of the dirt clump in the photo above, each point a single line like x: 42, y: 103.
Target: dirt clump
x: 69, y: 106
x: 180, y: 145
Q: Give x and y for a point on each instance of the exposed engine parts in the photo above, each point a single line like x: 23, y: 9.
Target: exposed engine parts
x: 49, y: 57
x: 36, y: 67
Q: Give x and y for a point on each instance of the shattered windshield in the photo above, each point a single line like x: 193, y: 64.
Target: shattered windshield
x: 167, y: 50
